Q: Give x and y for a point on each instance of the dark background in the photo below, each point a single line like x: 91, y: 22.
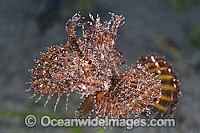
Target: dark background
x: 170, y: 28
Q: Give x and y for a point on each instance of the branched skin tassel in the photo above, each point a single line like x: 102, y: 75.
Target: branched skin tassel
x: 49, y: 74
x: 83, y: 64
x: 133, y: 93
x: 150, y: 88
x: 136, y: 91
x: 91, y: 65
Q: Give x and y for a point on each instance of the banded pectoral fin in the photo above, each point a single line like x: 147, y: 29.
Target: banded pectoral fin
x: 170, y: 86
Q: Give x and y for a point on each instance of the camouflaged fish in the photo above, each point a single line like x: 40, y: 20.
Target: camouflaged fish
x: 91, y: 65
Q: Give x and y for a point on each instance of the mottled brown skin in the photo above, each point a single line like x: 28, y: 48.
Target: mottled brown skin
x: 164, y: 106
x: 88, y: 104
x: 83, y: 64
x: 91, y: 65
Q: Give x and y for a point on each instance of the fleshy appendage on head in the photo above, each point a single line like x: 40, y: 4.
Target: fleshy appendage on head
x: 91, y: 65
x: 85, y: 64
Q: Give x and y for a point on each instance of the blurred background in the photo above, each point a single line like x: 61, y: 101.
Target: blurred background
x: 170, y: 28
